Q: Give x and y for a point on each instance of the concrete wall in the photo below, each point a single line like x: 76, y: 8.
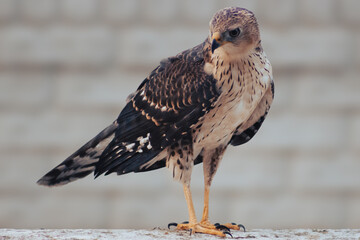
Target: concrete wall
x: 66, y: 68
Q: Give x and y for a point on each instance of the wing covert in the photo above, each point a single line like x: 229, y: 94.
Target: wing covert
x: 163, y: 109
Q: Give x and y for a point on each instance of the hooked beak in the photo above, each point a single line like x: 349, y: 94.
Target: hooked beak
x: 216, y: 42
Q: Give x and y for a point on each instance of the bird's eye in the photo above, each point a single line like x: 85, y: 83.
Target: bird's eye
x: 234, y: 33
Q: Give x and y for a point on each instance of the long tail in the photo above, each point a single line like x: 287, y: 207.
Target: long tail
x: 82, y: 162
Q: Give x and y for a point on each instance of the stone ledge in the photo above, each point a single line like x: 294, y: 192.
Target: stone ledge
x: 88, y: 234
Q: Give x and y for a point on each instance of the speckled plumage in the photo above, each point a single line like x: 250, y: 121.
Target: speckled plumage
x: 188, y: 110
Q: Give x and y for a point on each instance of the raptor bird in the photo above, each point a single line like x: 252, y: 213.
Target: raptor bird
x: 187, y: 111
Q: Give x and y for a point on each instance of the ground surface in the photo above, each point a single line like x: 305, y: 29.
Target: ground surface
x: 67, y: 67
x: 87, y: 234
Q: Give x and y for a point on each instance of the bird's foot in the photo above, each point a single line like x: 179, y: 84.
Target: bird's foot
x: 203, y: 227
x: 226, y: 226
x: 233, y: 226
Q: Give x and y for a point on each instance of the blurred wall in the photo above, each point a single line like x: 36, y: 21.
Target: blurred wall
x: 66, y: 68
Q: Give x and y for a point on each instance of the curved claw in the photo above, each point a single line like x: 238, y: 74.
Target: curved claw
x: 172, y: 224
x: 228, y: 233
x: 241, y: 227
x: 222, y: 227
x: 217, y: 224
x: 186, y: 222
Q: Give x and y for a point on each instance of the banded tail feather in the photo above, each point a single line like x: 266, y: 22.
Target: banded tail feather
x: 124, y: 157
x: 82, y: 162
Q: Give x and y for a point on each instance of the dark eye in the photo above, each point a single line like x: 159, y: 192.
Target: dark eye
x: 234, y: 33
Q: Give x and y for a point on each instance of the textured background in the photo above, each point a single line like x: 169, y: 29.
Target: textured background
x: 66, y: 68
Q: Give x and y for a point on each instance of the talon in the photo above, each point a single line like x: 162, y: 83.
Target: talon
x: 222, y: 227
x: 186, y: 222
x: 228, y: 233
x: 217, y: 224
x: 172, y: 224
x: 191, y: 231
x: 234, y: 223
x: 241, y: 227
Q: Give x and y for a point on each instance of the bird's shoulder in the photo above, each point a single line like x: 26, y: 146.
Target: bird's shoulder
x: 177, y: 86
x: 185, y: 68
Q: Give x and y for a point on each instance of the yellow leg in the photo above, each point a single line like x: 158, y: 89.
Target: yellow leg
x: 190, y: 205
x: 193, y: 226
x: 188, y: 198
x: 205, y: 217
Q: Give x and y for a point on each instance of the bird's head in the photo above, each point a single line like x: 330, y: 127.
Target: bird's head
x: 233, y: 32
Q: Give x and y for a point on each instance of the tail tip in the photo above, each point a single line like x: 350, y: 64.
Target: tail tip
x: 47, y: 182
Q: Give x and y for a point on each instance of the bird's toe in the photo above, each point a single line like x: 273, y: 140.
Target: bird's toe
x: 234, y: 226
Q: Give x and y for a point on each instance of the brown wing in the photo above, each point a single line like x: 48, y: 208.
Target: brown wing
x: 163, y: 109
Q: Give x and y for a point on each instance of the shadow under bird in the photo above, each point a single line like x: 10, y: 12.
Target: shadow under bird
x: 187, y: 111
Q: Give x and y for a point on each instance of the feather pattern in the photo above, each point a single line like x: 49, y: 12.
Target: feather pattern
x: 165, y: 106
x: 82, y: 162
x: 245, y: 132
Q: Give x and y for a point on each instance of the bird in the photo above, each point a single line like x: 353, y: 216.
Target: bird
x: 189, y: 109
